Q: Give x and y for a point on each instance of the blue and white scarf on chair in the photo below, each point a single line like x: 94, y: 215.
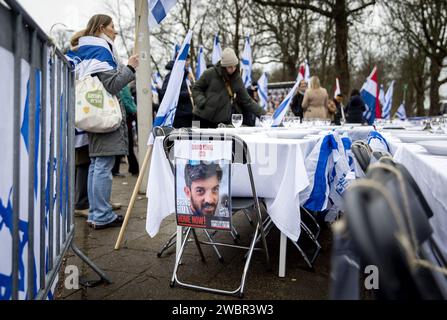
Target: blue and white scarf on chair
x: 327, y: 167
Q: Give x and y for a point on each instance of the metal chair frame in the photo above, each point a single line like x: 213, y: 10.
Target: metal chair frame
x: 241, y: 155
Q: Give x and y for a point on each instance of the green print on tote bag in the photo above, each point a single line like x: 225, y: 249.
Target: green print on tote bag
x: 95, y: 98
x: 96, y: 109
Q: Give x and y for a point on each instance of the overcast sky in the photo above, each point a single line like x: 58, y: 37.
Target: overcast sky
x: 73, y: 13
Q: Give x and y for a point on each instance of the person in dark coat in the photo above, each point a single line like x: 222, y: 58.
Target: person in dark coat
x: 355, y: 108
x: 249, y: 118
x: 296, y: 104
x: 183, y: 114
x: 219, y: 91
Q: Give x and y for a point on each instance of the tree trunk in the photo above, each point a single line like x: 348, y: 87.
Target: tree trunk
x: 435, y: 71
x: 341, y: 46
x: 236, y: 31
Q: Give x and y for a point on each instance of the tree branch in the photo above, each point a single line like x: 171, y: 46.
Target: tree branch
x: 287, y: 4
x: 350, y: 12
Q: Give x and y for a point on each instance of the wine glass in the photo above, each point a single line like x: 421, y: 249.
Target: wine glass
x: 287, y: 121
x: 266, y: 121
x: 236, y: 120
x: 296, y: 122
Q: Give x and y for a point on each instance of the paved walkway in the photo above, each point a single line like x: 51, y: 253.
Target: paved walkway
x: 138, y: 273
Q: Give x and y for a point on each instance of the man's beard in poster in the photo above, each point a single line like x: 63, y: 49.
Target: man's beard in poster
x: 207, y: 209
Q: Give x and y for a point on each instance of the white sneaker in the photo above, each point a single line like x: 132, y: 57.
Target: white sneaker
x: 116, y: 205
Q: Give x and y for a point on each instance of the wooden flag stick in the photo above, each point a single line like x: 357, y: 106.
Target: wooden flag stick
x: 137, y: 28
x: 134, y: 196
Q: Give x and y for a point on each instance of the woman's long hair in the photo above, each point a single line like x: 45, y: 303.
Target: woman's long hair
x: 95, y: 23
x: 93, y: 28
x: 315, y: 83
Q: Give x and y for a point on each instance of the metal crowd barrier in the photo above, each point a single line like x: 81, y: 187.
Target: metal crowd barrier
x: 37, y: 96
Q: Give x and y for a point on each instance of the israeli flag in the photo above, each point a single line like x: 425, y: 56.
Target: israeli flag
x: 370, y: 94
x: 284, y: 106
x: 201, y: 63
x: 327, y: 167
x: 158, y: 81
x: 263, y: 84
x: 388, y: 102
x: 92, y: 56
x: 247, y: 63
x: 158, y: 10
x: 217, y: 50
x: 154, y: 88
x: 377, y: 142
x: 401, y: 112
x: 7, y: 178
x: 176, y: 49
x: 347, y: 144
x: 168, y: 106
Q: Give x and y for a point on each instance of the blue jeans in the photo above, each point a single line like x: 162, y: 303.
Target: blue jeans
x: 99, y: 190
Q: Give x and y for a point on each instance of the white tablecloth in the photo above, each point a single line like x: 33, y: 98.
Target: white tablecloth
x: 279, y: 175
x: 430, y: 173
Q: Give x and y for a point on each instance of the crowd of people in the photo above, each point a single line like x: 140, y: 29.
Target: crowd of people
x: 211, y: 100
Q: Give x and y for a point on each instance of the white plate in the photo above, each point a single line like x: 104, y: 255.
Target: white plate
x: 415, y: 137
x: 287, y: 134
x: 435, y: 147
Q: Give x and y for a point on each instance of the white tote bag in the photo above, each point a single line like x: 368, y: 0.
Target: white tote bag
x: 96, y: 110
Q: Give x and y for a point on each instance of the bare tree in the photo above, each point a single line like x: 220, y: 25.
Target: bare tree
x: 423, y: 24
x: 338, y: 10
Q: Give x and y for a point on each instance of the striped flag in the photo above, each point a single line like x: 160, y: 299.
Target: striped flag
x: 247, y: 63
x: 217, y: 50
x: 201, y: 63
x: 158, y: 81
x: 328, y: 166
x: 284, y: 106
x: 303, y: 72
x: 158, y: 10
x: 176, y: 49
x: 168, y: 106
x: 337, y: 88
x: 263, y: 91
x: 370, y: 94
x: 388, y: 102
x: 92, y: 56
x: 401, y: 112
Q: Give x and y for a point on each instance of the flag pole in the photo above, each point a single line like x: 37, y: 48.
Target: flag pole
x: 143, y: 99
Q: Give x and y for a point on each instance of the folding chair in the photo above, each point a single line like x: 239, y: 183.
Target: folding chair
x: 390, y: 230
x: 240, y: 155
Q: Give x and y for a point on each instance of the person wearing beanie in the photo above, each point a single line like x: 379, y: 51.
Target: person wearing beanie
x: 220, y: 92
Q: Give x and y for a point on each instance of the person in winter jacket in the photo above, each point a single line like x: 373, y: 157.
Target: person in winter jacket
x: 220, y: 92
x: 355, y: 108
x: 103, y: 147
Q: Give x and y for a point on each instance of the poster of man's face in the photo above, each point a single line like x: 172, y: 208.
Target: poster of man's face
x: 202, y: 183
x: 202, y: 194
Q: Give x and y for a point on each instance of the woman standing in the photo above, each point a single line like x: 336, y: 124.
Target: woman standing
x: 96, y: 55
x: 315, y: 101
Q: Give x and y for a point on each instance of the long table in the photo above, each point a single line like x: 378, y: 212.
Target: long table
x: 430, y: 173
x: 279, y: 174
